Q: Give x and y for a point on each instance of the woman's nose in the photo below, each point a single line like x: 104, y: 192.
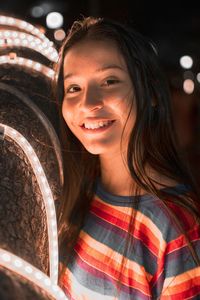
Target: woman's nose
x: 92, y: 99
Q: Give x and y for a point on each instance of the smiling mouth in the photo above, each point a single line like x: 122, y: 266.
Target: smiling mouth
x: 97, y: 126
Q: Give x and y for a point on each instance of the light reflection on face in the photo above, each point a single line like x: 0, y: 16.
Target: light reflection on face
x: 98, y: 96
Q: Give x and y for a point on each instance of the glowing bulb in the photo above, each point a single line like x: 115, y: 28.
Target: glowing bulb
x: 44, y: 46
x: 188, y: 86
x: 31, y: 273
x: 54, y: 20
x: 47, y: 197
x: 59, y: 34
x: 198, y: 77
x: 186, y: 62
x: 37, y: 11
x: 27, y: 63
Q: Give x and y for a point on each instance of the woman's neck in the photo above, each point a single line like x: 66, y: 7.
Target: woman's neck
x: 115, y: 176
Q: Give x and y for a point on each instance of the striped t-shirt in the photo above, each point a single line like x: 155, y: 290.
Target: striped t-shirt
x: 157, y: 263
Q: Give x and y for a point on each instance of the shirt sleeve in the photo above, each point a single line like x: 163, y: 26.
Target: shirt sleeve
x: 178, y: 272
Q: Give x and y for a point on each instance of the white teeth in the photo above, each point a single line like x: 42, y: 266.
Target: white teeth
x: 96, y: 125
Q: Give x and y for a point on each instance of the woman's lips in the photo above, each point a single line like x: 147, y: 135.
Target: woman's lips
x: 97, y: 127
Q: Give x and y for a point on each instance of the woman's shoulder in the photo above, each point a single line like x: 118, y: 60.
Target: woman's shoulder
x: 171, y: 214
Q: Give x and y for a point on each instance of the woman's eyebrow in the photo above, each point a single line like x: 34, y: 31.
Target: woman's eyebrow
x: 102, y: 69
x: 106, y: 67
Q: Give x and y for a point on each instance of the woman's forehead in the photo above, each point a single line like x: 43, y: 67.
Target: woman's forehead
x: 101, y: 53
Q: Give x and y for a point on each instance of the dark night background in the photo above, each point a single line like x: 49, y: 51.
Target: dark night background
x: 174, y: 26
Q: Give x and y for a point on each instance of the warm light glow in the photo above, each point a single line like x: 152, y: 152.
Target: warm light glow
x: 54, y: 20
x: 47, y: 197
x: 188, y: 86
x: 198, y: 77
x: 59, y: 34
x: 20, y: 39
x: 186, y: 62
x: 12, y: 58
x: 18, y: 23
x: 29, y: 272
x: 37, y: 11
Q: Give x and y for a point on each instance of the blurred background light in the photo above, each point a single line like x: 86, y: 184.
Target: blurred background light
x: 186, y: 62
x: 188, y: 86
x: 54, y: 20
x: 59, y: 34
x: 198, y: 77
x: 37, y: 11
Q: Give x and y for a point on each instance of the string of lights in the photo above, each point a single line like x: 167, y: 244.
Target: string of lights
x: 28, y: 271
x: 23, y: 25
x: 12, y: 58
x: 46, y: 194
x: 12, y: 38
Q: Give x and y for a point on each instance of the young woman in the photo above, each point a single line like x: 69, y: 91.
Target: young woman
x: 129, y: 217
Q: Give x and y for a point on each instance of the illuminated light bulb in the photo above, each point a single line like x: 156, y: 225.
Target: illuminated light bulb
x: 52, y: 213
x: 11, y: 21
x: 7, y: 33
x: 37, y: 41
x: 37, y: 11
x: 12, y: 38
x: 54, y: 243
x: 38, y: 275
x: 21, y: 24
x: 37, y: 32
x: 186, y: 62
x: 50, y: 50
x: 29, y: 149
x: 30, y: 38
x: 8, y: 41
x: 54, y: 20
x: 51, y: 73
x: 22, y: 35
x: 43, y: 179
x: 28, y: 269
x: 46, y: 51
x: 55, y: 288
x: 47, y: 282
x: 188, y: 86
x: 54, y: 223
x: 28, y: 63
x: 59, y: 34
x: 2, y: 19
x: 39, y: 169
x: 30, y: 27
x: 198, y: 77
x: 24, y: 42
x: 6, y: 257
x: 15, y: 34
x: 17, y: 263
x: 31, y: 273
x: 17, y: 41
x: 20, y: 60
x: 47, y: 198
x: 33, y: 44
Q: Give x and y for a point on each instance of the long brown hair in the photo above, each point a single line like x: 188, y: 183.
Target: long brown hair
x: 152, y: 141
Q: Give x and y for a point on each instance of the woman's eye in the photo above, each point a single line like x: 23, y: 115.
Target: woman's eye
x: 73, y: 89
x: 109, y: 82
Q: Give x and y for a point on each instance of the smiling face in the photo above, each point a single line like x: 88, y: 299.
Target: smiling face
x: 98, y: 96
